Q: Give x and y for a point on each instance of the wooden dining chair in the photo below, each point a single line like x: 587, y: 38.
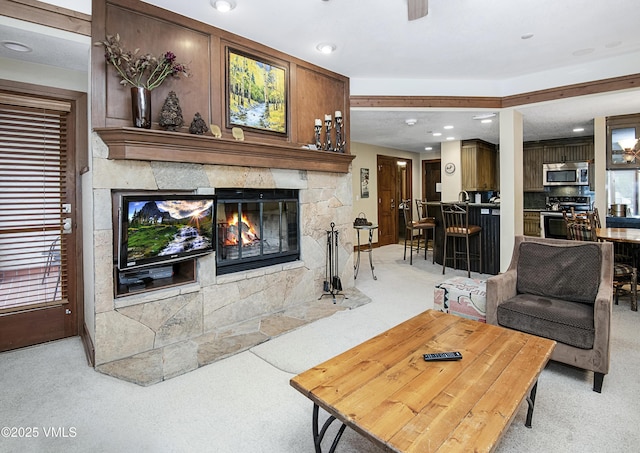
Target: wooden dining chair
x: 582, y: 227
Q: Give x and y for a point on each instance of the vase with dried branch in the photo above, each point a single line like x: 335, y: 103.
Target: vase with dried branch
x: 143, y: 73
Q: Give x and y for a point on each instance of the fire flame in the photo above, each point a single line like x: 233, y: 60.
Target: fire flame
x: 249, y: 234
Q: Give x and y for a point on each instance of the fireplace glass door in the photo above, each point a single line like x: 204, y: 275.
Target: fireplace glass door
x: 256, y: 228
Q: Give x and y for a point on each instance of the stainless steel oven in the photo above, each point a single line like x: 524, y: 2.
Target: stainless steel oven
x: 552, y: 225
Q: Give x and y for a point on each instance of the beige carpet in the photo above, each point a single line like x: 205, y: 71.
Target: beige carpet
x: 245, y: 404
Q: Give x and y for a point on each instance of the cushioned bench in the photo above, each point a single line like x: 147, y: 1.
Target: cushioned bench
x: 462, y: 296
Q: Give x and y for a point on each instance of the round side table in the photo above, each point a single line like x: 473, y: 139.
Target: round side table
x: 356, y: 267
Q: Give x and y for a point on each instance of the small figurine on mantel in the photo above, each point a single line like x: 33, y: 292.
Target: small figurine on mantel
x: 171, y: 114
x: 198, y: 125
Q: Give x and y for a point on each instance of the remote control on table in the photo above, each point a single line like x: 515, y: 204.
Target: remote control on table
x: 438, y: 356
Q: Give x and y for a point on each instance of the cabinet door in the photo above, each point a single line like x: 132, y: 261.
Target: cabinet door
x: 532, y: 159
x: 531, y: 224
x: 569, y: 152
x: 486, y: 169
x: 618, y: 132
x: 479, y: 162
x: 468, y: 164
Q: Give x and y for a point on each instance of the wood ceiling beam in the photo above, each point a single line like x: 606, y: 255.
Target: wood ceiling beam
x: 551, y: 94
x: 426, y: 101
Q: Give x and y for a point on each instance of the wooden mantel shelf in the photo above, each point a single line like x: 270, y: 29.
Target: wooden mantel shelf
x: 145, y: 144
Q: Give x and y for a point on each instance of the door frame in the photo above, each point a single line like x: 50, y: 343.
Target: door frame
x: 394, y: 160
x: 426, y: 163
x: 408, y: 192
x: 78, y: 153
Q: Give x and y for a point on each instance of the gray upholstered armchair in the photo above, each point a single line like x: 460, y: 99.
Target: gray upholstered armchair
x: 560, y: 290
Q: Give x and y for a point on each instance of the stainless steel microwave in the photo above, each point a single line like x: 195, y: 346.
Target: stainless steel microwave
x: 566, y: 174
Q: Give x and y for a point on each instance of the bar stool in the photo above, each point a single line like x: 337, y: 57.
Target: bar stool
x: 455, y: 218
x: 422, y: 225
x: 430, y: 222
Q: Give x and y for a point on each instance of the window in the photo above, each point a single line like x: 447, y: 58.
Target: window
x: 621, y: 128
x: 623, y: 189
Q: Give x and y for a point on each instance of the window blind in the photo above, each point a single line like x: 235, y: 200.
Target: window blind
x: 33, y: 166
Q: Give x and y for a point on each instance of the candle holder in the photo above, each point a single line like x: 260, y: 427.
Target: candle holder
x: 339, y: 142
x: 318, y: 130
x: 327, y: 124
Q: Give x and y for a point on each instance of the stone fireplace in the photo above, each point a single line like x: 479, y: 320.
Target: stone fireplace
x: 152, y: 336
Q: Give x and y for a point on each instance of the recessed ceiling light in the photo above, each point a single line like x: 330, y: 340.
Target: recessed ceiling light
x: 448, y: 127
x: 484, y: 116
x: 486, y: 121
x: 527, y: 36
x: 223, y: 5
x: 411, y: 121
x: 581, y: 52
x: 451, y: 138
x: 437, y: 134
x: 578, y: 129
x: 16, y: 46
x: 428, y: 148
x: 326, y: 47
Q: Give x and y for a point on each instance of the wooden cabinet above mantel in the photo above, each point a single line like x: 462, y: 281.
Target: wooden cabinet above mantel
x: 155, y: 145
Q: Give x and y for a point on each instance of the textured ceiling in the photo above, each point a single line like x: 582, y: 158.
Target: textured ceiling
x: 458, y: 39
x: 46, y: 49
x: 459, y: 44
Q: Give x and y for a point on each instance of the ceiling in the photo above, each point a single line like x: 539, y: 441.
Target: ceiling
x: 461, y: 48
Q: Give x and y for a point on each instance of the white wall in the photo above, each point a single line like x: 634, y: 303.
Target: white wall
x: 451, y: 183
x: 38, y: 74
x: 511, y: 187
x: 600, y: 166
x: 366, y: 157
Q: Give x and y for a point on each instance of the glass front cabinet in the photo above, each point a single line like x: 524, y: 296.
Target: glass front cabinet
x: 621, y: 129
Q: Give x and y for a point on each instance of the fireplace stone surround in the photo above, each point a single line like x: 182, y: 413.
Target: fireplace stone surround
x: 153, y: 336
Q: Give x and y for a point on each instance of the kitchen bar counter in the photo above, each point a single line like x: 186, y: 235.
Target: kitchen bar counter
x: 487, y: 216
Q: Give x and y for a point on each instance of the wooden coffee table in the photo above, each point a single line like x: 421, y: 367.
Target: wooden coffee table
x: 385, y: 390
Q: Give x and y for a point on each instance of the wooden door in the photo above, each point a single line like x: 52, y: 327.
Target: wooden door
x: 387, y: 202
x: 37, y: 221
x: 431, y: 175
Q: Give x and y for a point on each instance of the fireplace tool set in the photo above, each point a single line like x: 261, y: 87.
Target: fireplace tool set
x: 332, y: 284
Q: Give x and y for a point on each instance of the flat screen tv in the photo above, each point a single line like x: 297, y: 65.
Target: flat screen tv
x: 156, y: 229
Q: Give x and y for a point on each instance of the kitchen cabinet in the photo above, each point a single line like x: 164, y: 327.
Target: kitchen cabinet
x: 532, y: 159
x: 570, y: 150
x: 479, y: 166
x: 534, y: 154
x: 625, y: 127
x: 531, y: 224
